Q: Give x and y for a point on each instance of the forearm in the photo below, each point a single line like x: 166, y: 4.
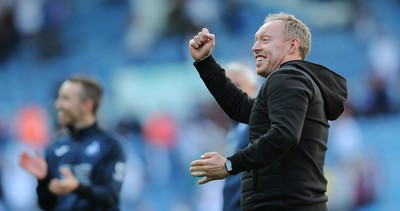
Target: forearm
x: 262, y: 152
x: 101, y: 195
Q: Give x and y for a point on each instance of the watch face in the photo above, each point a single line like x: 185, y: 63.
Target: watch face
x: 228, y: 165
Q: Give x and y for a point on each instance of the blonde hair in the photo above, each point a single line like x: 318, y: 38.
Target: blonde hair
x: 294, y: 28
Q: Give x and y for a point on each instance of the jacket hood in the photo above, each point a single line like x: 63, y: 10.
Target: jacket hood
x: 333, y: 86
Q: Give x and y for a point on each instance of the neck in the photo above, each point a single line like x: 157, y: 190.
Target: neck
x: 290, y: 57
x: 86, y: 122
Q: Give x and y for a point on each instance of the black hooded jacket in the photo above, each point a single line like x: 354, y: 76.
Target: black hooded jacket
x: 283, y: 163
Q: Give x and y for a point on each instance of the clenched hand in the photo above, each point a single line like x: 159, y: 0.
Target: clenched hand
x: 201, y: 45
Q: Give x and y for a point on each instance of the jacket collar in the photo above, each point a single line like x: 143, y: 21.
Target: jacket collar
x: 79, y: 134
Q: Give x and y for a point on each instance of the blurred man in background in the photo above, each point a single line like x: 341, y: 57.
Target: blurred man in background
x: 83, y: 169
x: 238, y: 135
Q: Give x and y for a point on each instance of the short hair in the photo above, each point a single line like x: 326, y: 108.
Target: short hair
x: 91, y: 89
x: 294, y: 28
x: 242, y: 68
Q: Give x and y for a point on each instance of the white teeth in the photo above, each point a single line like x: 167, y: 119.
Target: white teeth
x: 259, y: 59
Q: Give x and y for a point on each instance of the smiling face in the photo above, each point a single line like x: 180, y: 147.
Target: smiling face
x: 272, y: 48
x: 71, y: 106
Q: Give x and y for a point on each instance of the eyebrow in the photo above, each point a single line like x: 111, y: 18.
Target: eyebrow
x: 261, y: 34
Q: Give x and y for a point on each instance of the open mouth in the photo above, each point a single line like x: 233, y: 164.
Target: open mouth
x: 260, y: 58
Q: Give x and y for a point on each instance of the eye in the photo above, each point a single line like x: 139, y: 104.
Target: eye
x: 265, y: 40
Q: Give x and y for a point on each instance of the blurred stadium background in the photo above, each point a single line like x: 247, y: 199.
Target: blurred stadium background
x: 154, y: 97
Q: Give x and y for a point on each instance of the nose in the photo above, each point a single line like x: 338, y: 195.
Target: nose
x: 256, y: 47
x: 57, y: 104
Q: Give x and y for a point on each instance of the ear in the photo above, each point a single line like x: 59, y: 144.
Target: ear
x: 89, y: 105
x: 294, y: 45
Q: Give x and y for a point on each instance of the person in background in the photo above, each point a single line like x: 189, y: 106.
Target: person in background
x: 84, y: 167
x: 283, y: 165
x: 238, y: 135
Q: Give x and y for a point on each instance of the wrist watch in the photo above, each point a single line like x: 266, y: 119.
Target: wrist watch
x: 228, y: 165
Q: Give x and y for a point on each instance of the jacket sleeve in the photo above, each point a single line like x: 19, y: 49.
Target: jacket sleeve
x: 112, y: 175
x: 46, y: 199
x: 287, y: 94
x: 235, y: 103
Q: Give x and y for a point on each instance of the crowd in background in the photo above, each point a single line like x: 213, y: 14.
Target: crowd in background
x: 138, y: 50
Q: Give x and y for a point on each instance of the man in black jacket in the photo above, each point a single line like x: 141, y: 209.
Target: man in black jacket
x: 83, y: 169
x: 283, y: 163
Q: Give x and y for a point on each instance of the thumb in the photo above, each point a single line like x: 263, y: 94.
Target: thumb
x: 37, y: 154
x: 204, y: 181
x: 205, y: 31
x: 207, y: 34
x: 66, y: 172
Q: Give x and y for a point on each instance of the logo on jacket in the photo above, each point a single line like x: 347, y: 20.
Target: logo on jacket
x: 92, y: 148
x: 60, y: 151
